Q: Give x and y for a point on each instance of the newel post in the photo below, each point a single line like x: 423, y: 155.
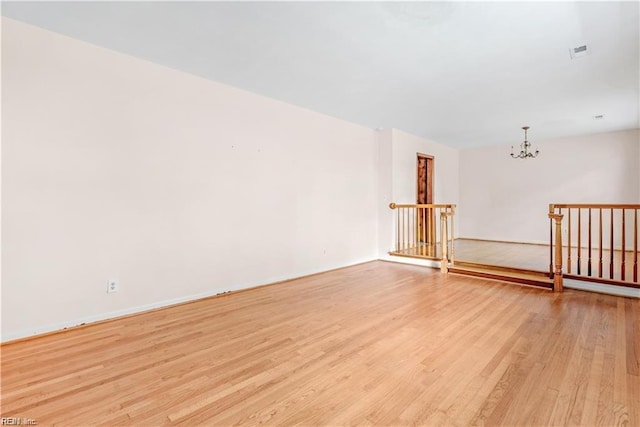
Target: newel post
x: 557, y: 272
x: 444, y: 263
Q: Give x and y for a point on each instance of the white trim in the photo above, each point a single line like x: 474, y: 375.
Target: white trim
x: 60, y: 326
x: 602, y: 288
x: 409, y: 260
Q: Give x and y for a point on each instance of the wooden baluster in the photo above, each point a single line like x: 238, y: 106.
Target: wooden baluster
x: 432, y: 228
x: 407, y: 230
x: 415, y: 231
x: 446, y: 218
x: 443, y: 229
x: 422, y: 226
x: 410, y: 229
x: 622, y: 253
x: 448, y: 233
x: 416, y: 236
x: 437, y: 212
x: 403, y: 231
x: 600, y: 245
x: 411, y: 225
x: 635, y: 245
x: 569, y: 242
x: 398, y: 229
x: 433, y: 243
x: 453, y: 242
x: 444, y: 268
x: 424, y: 230
x: 450, y: 228
x: 421, y: 230
x: 589, y: 260
x: 426, y: 226
x: 429, y: 225
x: 392, y: 206
x: 409, y: 245
x: 551, y: 211
x: 557, y: 272
x: 579, y: 239
x: 611, y: 247
x: 408, y: 225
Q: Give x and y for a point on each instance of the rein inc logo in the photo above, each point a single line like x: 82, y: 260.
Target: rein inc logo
x: 17, y: 421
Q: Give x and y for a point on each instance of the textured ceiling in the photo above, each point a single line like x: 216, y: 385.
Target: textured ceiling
x: 461, y: 73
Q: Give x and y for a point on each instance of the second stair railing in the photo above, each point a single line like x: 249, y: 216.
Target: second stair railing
x: 601, y: 242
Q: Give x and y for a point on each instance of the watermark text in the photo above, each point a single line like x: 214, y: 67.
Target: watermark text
x: 17, y: 421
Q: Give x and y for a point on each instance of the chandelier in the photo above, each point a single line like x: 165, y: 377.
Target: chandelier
x: 524, y: 148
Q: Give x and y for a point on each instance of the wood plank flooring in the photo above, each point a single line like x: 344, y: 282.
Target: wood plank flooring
x: 377, y: 344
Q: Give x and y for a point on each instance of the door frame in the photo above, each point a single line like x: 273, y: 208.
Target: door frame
x: 430, y: 160
x: 428, y: 216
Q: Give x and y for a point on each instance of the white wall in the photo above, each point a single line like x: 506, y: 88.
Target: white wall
x: 178, y: 187
x: 386, y: 231
x: 507, y: 199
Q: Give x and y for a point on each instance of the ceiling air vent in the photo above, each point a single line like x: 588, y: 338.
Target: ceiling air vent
x: 579, y: 51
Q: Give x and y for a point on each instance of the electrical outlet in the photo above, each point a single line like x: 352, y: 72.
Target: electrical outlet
x: 112, y: 286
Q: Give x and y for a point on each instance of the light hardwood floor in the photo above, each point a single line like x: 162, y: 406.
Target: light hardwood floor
x: 379, y: 343
x: 507, y: 254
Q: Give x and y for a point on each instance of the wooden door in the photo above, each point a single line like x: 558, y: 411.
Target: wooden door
x: 424, y: 195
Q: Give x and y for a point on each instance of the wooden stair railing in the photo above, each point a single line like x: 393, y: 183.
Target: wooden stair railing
x: 601, y: 242
x: 417, y: 230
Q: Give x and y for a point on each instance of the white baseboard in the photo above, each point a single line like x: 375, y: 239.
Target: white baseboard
x: 60, y: 326
x: 621, y: 291
x: 408, y: 260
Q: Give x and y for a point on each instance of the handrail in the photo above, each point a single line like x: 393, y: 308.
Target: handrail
x: 601, y: 241
x: 595, y: 205
x: 417, y: 230
x: 430, y: 205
